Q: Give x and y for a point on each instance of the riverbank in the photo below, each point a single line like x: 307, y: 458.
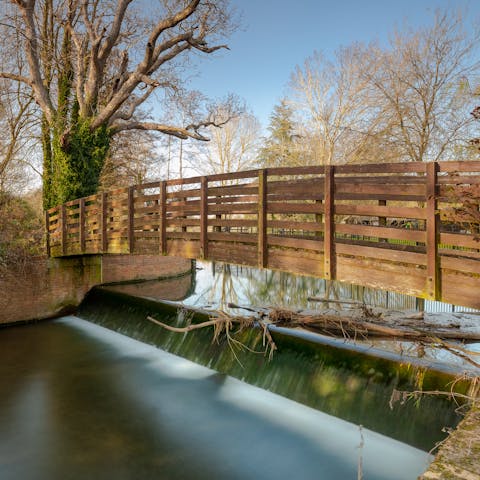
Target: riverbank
x: 459, y: 457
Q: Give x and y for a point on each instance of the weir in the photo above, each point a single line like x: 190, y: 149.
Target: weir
x: 381, y: 225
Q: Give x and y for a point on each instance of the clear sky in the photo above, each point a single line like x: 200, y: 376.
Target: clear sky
x: 276, y: 35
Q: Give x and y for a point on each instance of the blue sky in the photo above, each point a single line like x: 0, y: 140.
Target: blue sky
x: 277, y: 35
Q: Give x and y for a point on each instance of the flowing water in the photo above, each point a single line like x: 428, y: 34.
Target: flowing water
x: 81, y: 401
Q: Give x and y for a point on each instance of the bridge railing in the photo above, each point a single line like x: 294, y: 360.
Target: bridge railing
x: 380, y: 225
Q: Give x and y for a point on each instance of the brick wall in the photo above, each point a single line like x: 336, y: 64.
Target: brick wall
x: 49, y: 287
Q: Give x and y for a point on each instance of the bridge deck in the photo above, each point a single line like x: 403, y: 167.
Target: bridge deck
x: 379, y: 225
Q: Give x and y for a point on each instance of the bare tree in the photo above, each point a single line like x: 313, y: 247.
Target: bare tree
x: 92, y: 64
x: 231, y: 148
x: 337, y: 101
x: 422, y: 82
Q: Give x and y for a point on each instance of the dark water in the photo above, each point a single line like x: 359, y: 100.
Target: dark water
x: 81, y: 402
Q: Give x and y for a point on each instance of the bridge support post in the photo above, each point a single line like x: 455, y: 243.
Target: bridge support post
x: 204, y: 218
x: 63, y: 213
x: 103, y: 222
x: 262, y: 219
x: 47, y: 234
x: 162, y: 205
x: 433, y: 260
x: 130, y: 227
x: 329, y: 216
x: 81, y: 220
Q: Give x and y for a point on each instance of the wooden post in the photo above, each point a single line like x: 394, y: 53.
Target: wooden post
x: 63, y: 210
x: 433, y: 261
x: 47, y: 235
x: 382, y: 221
x: 262, y: 219
x: 81, y: 220
x: 329, y: 233
x: 204, y: 218
x: 130, y: 225
x: 162, y: 204
x: 103, y: 222
x: 319, y: 221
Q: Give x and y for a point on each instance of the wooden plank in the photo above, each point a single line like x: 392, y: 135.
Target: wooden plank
x: 234, y: 223
x: 381, y: 179
x: 329, y: 228
x: 367, y: 189
x: 82, y: 224
x: 433, y: 264
x: 184, y: 235
x: 182, y: 248
x: 241, y: 254
x: 300, y: 262
x: 236, y: 199
x: 381, y: 232
x: 293, y: 208
x: 410, y: 167
x: 233, y: 237
x: 47, y: 234
x: 242, y: 189
x: 460, y: 289
x: 380, y: 196
x: 63, y: 215
x: 248, y: 208
x: 460, y: 264
x: 204, y: 219
x: 453, y: 179
x: 293, y: 225
x: 103, y: 222
x: 385, y: 254
x: 459, y: 240
x: 304, y: 170
x: 459, y: 166
x: 377, y: 274
x: 381, y: 211
x: 162, y: 206
x: 262, y: 218
x: 296, y: 243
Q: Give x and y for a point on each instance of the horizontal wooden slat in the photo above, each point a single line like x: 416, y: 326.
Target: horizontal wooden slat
x: 388, y: 254
x: 381, y: 211
x: 293, y: 225
x: 459, y: 240
x: 292, y: 208
x: 233, y: 237
x: 238, y: 223
x: 381, y: 232
x: 293, y: 242
x: 462, y: 166
x: 381, y: 168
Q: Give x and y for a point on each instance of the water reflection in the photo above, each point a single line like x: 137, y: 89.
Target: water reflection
x: 78, y: 401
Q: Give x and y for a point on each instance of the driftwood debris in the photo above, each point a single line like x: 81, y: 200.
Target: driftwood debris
x: 358, y: 323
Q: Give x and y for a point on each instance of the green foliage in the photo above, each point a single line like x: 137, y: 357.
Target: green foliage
x: 281, y: 147
x: 21, y: 231
x: 78, y: 161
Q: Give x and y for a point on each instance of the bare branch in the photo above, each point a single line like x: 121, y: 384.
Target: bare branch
x: 178, y: 132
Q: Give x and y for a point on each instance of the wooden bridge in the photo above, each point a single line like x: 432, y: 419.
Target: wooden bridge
x: 379, y: 225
